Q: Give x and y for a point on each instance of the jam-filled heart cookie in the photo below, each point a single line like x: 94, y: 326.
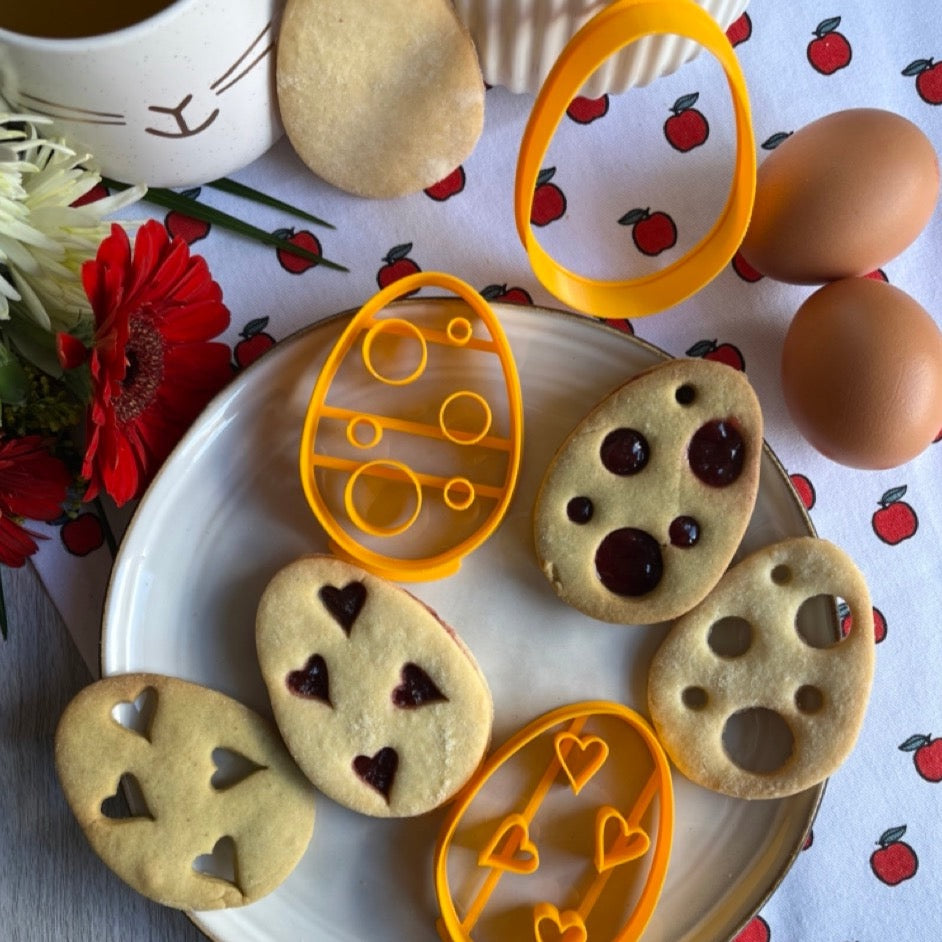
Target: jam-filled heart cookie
x: 382, y: 706
x: 217, y: 814
x: 752, y: 653
x: 647, y: 500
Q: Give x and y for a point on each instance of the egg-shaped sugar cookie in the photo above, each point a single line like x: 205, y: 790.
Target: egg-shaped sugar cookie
x: 757, y: 692
x: 380, y: 703
x: 379, y: 99
x: 217, y: 812
x: 647, y: 500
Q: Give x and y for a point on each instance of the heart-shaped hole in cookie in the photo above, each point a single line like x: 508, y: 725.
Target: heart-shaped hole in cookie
x: 379, y: 770
x: 220, y: 863
x: 344, y: 604
x: 137, y: 715
x: 128, y: 802
x: 311, y: 682
x: 231, y: 768
x: 416, y: 689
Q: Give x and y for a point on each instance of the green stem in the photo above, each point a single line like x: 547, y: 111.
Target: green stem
x: 246, y: 192
x: 196, y: 210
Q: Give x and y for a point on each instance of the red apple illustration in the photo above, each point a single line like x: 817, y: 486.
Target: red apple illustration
x: 98, y: 192
x: 830, y: 50
x: 726, y: 353
x: 739, y: 30
x: 894, y: 860
x: 895, y: 521
x: 809, y: 839
x: 773, y: 140
x: 447, y: 186
x: 620, y: 323
x: 686, y: 128
x: 82, y: 535
x: 397, y: 265
x: 928, y: 74
x: 254, y: 342
x: 504, y: 295
x: 652, y: 233
x: 756, y: 930
x: 549, y: 201
x: 804, y: 488
x: 927, y: 756
x: 584, y: 110
x: 847, y: 622
x: 878, y: 274
x: 304, y: 240
x: 181, y: 226
x: 745, y: 270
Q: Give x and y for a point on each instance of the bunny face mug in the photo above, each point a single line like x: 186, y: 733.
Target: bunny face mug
x: 177, y: 94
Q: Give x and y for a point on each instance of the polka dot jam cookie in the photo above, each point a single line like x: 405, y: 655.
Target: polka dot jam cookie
x: 379, y: 702
x: 644, y: 505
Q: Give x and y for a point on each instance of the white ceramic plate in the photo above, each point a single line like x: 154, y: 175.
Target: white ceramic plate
x: 227, y: 511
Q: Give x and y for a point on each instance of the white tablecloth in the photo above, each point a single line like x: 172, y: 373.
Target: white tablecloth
x: 618, y: 162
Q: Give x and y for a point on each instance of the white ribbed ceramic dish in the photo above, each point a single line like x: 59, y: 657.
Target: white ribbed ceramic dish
x: 519, y: 40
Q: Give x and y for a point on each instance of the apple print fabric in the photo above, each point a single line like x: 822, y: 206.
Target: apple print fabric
x: 629, y: 184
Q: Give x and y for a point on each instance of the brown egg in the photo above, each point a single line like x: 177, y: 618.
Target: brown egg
x: 862, y: 373
x: 841, y: 196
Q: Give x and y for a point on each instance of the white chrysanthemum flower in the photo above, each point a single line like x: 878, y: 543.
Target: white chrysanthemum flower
x: 44, y: 239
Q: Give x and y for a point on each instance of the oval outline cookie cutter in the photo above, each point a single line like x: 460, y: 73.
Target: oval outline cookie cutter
x: 615, y: 26
x: 458, y: 491
x: 502, y: 853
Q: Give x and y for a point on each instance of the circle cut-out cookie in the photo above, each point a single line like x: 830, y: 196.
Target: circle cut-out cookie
x: 647, y: 500
x: 382, y: 706
x: 216, y: 815
x: 756, y: 693
x: 379, y: 99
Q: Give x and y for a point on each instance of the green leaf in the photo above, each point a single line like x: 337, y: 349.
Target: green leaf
x: 168, y: 199
x: 240, y: 189
x: 13, y: 382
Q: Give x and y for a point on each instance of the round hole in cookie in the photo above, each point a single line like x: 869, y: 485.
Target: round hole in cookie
x: 730, y: 637
x: 817, y: 622
x: 717, y: 453
x: 758, y: 740
x: 694, y: 698
x: 781, y: 574
x: 624, y: 451
x: 809, y: 699
x: 580, y: 509
x: 629, y: 562
x: 685, y: 394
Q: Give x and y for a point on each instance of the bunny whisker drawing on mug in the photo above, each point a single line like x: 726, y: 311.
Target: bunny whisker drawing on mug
x: 179, y: 123
x: 183, y: 96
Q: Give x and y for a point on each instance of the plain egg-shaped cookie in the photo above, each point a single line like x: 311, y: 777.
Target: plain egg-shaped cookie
x: 206, y: 778
x: 381, y: 705
x: 647, y: 500
x: 379, y: 99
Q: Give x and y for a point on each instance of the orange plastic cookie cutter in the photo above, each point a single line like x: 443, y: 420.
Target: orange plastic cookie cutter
x: 347, y: 452
x: 600, y: 751
x: 617, y: 25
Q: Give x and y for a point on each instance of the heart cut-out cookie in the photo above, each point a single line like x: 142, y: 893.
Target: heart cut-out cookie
x: 384, y: 709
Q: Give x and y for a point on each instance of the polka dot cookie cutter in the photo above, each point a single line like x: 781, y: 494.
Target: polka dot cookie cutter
x: 606, y: 757
x: 364, y: 492
x: 615, y: 26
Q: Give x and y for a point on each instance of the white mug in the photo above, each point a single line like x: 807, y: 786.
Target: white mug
x: 178, y: 99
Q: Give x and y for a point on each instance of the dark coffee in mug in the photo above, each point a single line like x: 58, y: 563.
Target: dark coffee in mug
x: 69, y: 19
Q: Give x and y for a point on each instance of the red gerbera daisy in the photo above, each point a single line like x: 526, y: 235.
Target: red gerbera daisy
x: 33, y: 485
x: 153, y: 368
